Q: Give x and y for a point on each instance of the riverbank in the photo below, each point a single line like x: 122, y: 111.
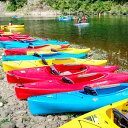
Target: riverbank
x: 37, y: 8
x: 14, y: 113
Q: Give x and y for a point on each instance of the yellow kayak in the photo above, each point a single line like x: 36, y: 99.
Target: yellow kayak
x: 66, y: 50
x: 105, y: 117
x: 7, y: 33
x: 12, y: 26
x: 13, y: 65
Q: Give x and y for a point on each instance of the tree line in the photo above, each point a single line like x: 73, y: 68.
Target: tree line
x: 79, y: 6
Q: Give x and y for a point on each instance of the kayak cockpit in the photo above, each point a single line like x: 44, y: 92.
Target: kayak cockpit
x: 107, y: 89
x: 67, y: 69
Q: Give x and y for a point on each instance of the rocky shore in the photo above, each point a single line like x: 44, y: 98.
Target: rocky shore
x: 14, y: 113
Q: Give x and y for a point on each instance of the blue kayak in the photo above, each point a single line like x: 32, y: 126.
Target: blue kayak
x: 22, y: 44
x: 78, y: 101
x: 37, y: 56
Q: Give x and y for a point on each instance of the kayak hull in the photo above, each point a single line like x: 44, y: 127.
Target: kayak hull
x: 49, y: 86
x: 33, y: 74
x: 76, y: 101
x: 23, y: 51
x: 23, y: 44
x: 45, y: 56
x: 14, y: 65
x: 12, y: 26
x: 101, y: 115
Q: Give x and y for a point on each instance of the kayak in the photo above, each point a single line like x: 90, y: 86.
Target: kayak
x: 111, y: 116
x: 16, y: 17
x: 66, y: 84
x: 1, y: 31
x: 6, y: 39
x: 54, y: 72
x: 37, y: 56
x: 13, y: 65
x: 82, y: 24
x: 18, y: 38
x: 12, y: 26
x: 22, y: 44
x: 23, y: 51
x: 66, y: 50
x: 85, y: 100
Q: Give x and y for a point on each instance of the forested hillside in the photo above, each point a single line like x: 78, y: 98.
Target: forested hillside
x: 90, y: 7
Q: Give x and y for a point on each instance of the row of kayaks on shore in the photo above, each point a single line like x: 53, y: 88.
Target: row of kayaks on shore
x: 57, y: 79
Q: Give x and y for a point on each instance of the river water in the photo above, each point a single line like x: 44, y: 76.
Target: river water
x: 108, y: 35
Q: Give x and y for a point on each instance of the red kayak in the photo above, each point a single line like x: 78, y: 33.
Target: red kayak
x: 66, y: 84
x: 56, y: 72
x: 6, y: 39
x: 19, y: 38
x: 23, y: 51
x: 1, y: 31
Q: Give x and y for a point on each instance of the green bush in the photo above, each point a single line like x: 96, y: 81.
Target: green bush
x: 15, y: 4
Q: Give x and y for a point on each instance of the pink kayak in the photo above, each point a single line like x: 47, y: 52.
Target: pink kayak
x: 56, y: 72
x: 66, y: 84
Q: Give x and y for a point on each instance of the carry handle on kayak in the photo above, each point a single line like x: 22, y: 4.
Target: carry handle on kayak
x: 62, y: 58
x: 71, y: 64
x: 109, y: 86
x: 87, y: 75
x: 56, y: 50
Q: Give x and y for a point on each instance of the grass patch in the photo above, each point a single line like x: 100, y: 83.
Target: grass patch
x: 3, y: 101
x: 4, y: 120
x: 70, y: 115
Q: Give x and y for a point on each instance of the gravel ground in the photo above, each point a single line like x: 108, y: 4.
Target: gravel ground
x: 14, y: 113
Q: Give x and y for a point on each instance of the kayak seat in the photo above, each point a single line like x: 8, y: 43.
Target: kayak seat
x: 120, y: 119
x: 30, y: 46
x: 66, y: 73
x: 36, y: 54
x: 53, y: 50
x: 44, y: 61
x: 90, y: 91
x: 67, y: 80
x: 30, y: 43
x: 53, y: 70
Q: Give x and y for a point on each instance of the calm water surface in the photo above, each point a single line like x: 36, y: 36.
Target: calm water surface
x: 108, y: 35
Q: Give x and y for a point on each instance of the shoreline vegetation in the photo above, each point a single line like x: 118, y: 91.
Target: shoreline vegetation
x: 48, y: 8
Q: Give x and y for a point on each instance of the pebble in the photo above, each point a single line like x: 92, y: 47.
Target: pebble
x: 1, y: 104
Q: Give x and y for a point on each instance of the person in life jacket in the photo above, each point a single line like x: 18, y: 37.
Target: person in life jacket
x: 84, y: 18
x: 10, y: 23
x: 79, y: 20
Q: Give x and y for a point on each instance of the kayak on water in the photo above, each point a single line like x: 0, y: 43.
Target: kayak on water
x: 66, y: 84
x: 114, y: 115
x: 57, y: 71
x: 12, y: 26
